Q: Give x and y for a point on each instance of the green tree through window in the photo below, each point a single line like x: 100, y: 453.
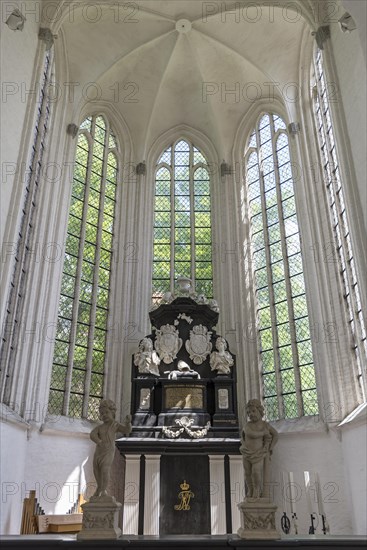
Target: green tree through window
x: 182, y: 221
x: 79, y: 355
x: 289, y: 385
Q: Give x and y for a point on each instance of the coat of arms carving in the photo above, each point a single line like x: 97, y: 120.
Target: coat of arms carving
x: 168, y: 343
x: 199, y: 345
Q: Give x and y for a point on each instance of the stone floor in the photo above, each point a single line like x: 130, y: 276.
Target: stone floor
x: 173, y: 542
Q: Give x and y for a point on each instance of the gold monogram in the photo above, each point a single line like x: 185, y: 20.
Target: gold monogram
x: 185, y: 495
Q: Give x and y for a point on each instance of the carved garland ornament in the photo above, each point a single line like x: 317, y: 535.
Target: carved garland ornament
x: 185, y: 424
x: 199, y: 345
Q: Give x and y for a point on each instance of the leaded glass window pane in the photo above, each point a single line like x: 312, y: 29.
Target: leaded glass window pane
x: 182, y: 221
x: 339, y: 221
x: 80, y: 349
x: 289, y: 385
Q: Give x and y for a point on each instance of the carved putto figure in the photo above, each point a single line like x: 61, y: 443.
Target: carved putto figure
x: 258, y: 440
x: 168, y: 343
x: 104, y: 437
x: 221, y: 360
x: 213, y: 304
x: 199, y: 345
x: 167, y: 298
x: 146, y: 359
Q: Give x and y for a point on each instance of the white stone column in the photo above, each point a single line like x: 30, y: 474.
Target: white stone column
x: 131, y: 501
x: 217, y: 502
x: 151, y: 494
x: 237, y: 488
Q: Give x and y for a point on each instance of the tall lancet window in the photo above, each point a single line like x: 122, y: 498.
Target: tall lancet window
x: 80, y: 349
x: 339, y: 220
x: 182, y: 221
x: 289, y: 385
x: 24, y: 244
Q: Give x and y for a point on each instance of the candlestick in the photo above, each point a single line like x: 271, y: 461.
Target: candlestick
x: 311, y: 530
x: 320, y: 503
x: 325, y: 525
x: 285, y: 524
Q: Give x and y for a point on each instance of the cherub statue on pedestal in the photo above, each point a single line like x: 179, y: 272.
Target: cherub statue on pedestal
x: 101, y: 512
x: 258, y: 441
x: 104, y: 437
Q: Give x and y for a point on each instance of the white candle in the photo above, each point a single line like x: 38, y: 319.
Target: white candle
x: 285, y: 493
x: 308, y: 494
x: 319, y: 497
x: 292, y: 493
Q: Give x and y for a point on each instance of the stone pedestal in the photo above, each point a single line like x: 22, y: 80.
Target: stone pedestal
x: 100, y: 519
x: 257, y: 519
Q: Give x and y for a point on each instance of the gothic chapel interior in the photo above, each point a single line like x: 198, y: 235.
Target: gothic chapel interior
x: 221, y: 142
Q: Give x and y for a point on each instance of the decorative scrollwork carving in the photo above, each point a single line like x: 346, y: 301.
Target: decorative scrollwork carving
x: 185, y: 424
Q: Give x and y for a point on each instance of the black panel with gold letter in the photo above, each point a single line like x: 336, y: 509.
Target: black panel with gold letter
x: 184, y: 495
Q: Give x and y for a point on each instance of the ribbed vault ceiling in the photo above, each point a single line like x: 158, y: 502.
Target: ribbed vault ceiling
x: 162, y: 74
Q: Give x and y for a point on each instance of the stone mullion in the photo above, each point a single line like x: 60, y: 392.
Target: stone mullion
x: 292, y: 328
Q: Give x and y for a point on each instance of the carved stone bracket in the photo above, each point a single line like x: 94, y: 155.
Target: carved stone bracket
x: 47, y: 37
x: 72, y: 130
x: 321, y: 35
x: 141, y: 169
x: 347, y: 23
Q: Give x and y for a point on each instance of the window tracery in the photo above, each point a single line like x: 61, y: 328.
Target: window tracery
x: 287, y: 369
x: 339, y: 219
x: 80, y: 349
x: 182, y: 221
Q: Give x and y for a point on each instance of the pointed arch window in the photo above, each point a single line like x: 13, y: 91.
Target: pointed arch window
x: 288, y: 377
x: 25, y: 238
x: 80, y: 349
x: 182, y: 222
x: 339, y: 219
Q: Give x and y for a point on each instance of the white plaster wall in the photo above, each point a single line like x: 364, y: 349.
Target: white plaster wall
x: 18, y: 51
x: 59, y: 466
x: 352, y: 78
x: 13, y: 442
x: 354, y: 447
x: 315, y: 452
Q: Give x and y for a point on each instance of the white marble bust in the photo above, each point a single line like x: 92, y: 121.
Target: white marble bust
x: 146, y: 359
x: 221, y: 360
